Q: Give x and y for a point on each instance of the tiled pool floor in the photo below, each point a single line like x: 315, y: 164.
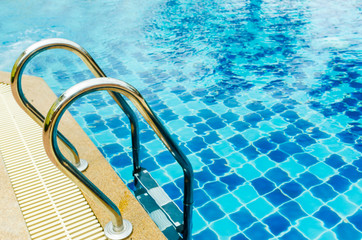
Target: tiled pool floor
x: 264, y: 98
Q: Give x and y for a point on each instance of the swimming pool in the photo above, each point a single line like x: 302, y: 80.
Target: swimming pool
x: 263, y: 96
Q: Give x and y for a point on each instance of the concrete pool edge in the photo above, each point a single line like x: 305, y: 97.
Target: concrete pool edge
x: 36, y: 91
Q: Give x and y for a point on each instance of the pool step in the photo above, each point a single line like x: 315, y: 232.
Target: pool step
x: 163, y: 211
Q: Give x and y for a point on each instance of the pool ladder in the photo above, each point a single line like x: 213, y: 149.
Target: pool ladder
x: 146, y: 186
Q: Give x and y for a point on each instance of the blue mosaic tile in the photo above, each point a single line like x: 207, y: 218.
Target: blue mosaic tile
x: 219, y: 167
x: 266, y: 127
x: 198, y: 222
x: 292, y: 189
x: 120, y: 161
x: 112, y: 149
x: 311, y: 227
x: 277, y: 197
x: 278, y: 137
x: 240, y: 126
x: 292, y: 211
x: 263, y: 145
x: 202, y: 128
x: 168, y: 115
x: 260, y: 207
x: 250, y: 152
x: 258, y: 232
x: 262, y: 185
x: 204, y: 176
x: 211, y: 212
x: 211, y: 138
x: 324, y: 192
x: 351, y: 173
x: 328, y: 235
x: 200, y: 197
x: 253, y: 119
x: 230, y: 117
x: 238, y: 141
x: 231, y: 102
x: 339, y: 183
x: 228, y: 203
x: 264, y: 163
x: 173, y: 190
x: 276, y: 223
x: 266, y: 114
x: 319, y: 151
x: 335, y: 161
x: 240, y: 236
x: 290, y: 148
x: 278, y: 156
x: 164, y: 158
x: 207, y: 155
x: 147, y: 136
x: 215, y: 189
x: 232, y: 181
x: 355, y: 194
x: 278, y: 108
x: 305, y: 159
x: 243, y: 218
x: 303, y: 124
x: 290, y: 116
x: 207, y: 234
x: 355, y: 219
x: 329, y: 217
x: 192, y: 119
x: 291, y: 130
x: 308, y: 180
x: 206, y: 114
x: 225, y: 227
x: 293, y: 234
x: 175, y: 172
x: 346, y: 231
x: 255, y: 106
x: 246, y: 193
x: 304, y: 140
x: 308, y: 203
x: 277, y: 175
x: 318, y: 134
x: 252, y: 134
x: 114, y: 122
x: 349, y: 154
x: 322, y: 171
x: 346, y: 137
x: 248, y: 172
x: 341, y: 205
x: 196, y: 144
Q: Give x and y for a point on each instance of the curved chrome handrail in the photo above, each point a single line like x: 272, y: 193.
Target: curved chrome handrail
x: 118, y: 228
x: 59, y: 43
x: 109, y: 84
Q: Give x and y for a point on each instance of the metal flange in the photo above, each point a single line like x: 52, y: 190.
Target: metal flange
x: 115, y: 235
x: 83, y: 165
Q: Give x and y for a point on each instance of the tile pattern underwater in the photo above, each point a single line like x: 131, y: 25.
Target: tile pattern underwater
x: 264, y: 97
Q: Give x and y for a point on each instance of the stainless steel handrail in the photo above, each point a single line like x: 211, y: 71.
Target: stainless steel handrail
x: 59, y: 43
x: 109, y: 84
x: 118, y: 228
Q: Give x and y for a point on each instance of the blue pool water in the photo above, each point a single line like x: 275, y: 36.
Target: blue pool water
x: 264, y: 97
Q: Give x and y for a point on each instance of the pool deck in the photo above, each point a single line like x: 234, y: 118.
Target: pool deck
x: 12, y: 224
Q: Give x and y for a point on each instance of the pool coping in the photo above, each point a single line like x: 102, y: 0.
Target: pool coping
x: 36, y: 91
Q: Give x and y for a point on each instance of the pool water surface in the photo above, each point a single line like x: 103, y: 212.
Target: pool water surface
x: 264, y: 98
